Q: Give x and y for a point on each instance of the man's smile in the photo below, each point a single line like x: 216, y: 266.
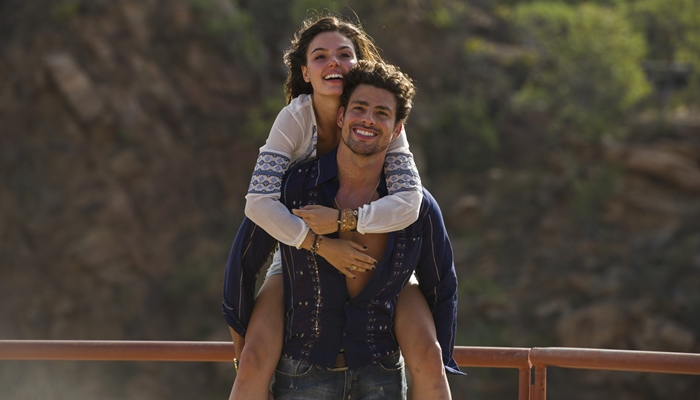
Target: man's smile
x: 364, y: 133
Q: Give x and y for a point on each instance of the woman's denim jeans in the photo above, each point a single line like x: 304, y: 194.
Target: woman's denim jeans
x: 299, y: 380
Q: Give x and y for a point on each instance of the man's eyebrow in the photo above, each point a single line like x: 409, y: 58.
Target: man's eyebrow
x: 325, y: 49
x: 360, y: 102
x: 366, y: 104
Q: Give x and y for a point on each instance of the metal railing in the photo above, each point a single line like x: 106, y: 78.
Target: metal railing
x: 523, y: 359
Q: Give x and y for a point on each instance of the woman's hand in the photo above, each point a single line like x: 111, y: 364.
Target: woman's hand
x: 322, y: 220
x: 346, y: 256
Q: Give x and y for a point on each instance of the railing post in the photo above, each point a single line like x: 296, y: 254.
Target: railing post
x: 524, y: 383
x: 540, y: 388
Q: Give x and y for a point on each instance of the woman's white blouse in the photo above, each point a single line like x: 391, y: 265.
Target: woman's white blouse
x: 293, y: 140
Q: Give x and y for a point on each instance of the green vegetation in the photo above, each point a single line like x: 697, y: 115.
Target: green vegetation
x: 65, y: 11
x: 260, y: 118
x: 228, y: 22
x: 672, y: 30
x: 592, y: 193
x: 588, y: 72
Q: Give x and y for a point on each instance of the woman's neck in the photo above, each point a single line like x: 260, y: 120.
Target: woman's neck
x: 326, y: 112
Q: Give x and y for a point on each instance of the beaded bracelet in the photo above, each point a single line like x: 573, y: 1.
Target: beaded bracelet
x: 340, y: 217
x: 313, y: 245
x: 316, y: 244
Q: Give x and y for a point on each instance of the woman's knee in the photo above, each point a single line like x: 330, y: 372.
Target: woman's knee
x: 423, y: 355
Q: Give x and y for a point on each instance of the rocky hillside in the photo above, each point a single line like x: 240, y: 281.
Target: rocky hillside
x: 128, y: 132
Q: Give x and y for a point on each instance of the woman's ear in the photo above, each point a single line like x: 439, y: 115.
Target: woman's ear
x: 305, y: 74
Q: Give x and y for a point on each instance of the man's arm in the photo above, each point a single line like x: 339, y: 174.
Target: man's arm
x: 437, y: 278
x: 251, y: 249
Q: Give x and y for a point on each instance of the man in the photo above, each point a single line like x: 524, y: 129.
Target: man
x: 339, y: 340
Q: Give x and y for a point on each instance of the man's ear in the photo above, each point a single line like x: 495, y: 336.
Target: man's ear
x: 305, y: 74
x: 341, y: 116
x: 397, y: 130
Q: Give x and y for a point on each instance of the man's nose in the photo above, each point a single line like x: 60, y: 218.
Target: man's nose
x: 368, y: 118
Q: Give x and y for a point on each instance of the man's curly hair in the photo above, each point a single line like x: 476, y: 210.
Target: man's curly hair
x: 383, y: 76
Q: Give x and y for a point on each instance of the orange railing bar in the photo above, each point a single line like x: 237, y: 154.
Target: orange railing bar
x: 522, y: 359
x: 499, y: 357
x: 617, y: 360
x: 89, y: 350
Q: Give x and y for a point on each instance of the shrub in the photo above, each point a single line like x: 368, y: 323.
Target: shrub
x: 588, y: 72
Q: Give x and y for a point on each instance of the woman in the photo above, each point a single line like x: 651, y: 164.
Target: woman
x: 322, y: 53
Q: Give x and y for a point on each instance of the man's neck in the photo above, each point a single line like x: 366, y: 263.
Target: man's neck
x: 358, y: 177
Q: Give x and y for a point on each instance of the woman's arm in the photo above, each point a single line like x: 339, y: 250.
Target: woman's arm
x: 286, y: 143
x: 390, y: 213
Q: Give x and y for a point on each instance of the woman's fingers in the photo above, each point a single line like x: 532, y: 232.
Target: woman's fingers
x: 322, y: 220
x: 347, y: 256
x: 362, y: 260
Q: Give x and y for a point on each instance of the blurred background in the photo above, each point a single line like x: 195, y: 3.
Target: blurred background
x: 561, y: 139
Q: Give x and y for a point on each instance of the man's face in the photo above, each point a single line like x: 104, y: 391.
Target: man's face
x: 368, y: 124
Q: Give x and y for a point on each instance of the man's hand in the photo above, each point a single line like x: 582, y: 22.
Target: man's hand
x: 238, y: 343
x: 322, y: 220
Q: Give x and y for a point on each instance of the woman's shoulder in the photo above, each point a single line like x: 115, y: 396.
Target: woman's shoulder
x: 300, y: 104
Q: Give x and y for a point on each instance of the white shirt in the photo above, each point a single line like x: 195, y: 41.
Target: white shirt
x: 293, y: 140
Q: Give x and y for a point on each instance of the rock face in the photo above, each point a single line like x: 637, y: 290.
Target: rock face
x: 128, y: 133
x: 123, y: 167
x: 680, y: 170
x: 75, y: 85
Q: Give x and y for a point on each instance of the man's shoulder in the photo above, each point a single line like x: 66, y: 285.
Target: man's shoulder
x: 311, y: 169
x: 302, y: 170
x: 428, y: 204
x: 297, y: 179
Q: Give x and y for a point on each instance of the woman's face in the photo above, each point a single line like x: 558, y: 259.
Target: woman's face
x: 328, y: 59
